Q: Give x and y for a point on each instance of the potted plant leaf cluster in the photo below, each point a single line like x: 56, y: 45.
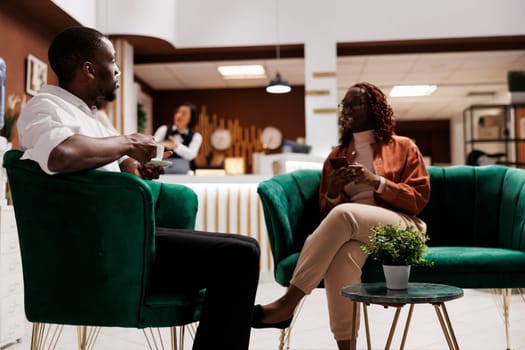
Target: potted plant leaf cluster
x: 398, y: 249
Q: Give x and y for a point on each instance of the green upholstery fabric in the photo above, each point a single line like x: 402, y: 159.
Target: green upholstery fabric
x: 291, y: 212
x: 475, y: 220
x: 87, y: 245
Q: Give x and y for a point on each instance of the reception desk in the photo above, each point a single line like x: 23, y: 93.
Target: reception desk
x: 229, y: 204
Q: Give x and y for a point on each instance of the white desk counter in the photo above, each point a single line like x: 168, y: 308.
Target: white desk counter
x: 229, y: 204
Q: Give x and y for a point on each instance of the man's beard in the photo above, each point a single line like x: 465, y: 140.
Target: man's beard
x: 110, y: 96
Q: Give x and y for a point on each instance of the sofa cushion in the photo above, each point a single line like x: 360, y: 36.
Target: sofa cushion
x: 473, y: 267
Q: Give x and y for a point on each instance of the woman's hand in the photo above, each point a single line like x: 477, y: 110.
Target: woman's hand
x: 338, y: 179
x: 173, y: 142
x: 351, y: 173
x: 361, y: 175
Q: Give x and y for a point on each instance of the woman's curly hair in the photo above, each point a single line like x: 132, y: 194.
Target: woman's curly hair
x: 379, y: 109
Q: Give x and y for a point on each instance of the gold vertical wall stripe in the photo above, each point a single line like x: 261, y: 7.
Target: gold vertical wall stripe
x: 325, y: 110
x: 217, y: 210
x: 228, y: 228
x: 239, y: 210
x: 317, y: 92
x: 205, y: 211
x: 323, y: 74
x: 249, y: 217
x: 122, y: 86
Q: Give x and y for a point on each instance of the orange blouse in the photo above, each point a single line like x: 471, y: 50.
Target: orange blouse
x: 399, y: 161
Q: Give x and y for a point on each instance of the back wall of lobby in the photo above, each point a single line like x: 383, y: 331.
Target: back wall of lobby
x: 251, y: 106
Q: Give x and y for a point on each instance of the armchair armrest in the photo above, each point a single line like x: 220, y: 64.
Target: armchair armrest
x: 176, y: 207
x: 275, y: 206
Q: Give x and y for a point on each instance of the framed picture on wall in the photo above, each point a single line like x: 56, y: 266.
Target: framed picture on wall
x: 36, y: 75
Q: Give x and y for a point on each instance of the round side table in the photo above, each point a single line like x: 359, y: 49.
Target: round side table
x: 417, y: 293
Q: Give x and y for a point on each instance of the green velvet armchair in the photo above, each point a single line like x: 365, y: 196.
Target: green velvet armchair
x: 87, y: 245
x: 475, y: 220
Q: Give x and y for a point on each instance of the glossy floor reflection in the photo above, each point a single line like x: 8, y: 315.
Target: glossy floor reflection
x: 476, y: 319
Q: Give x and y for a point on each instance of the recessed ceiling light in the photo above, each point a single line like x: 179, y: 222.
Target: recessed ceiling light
x: 412, y: 90
x: 254, y: 71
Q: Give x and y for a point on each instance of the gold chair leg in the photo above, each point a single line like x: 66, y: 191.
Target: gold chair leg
x: 503, y: 302
x: 154, y: 339
x: 173, y: 337
x: 286, y: 333
x: 181, y: 338
x: 506, y: 314
x: 40, y: 335
x: 282, y: 338
x: 87, y: 336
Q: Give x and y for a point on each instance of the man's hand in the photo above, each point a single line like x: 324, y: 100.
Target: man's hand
x: 141, y: 147
x: 150, y: 172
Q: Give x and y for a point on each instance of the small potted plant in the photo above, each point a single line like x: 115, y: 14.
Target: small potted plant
x: 397, y: 249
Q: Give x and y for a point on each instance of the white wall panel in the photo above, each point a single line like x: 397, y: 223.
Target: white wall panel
x: 155, y: 18
x: 83, y: 11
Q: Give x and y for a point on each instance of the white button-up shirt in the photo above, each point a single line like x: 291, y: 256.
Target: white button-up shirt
x: 51, y: 117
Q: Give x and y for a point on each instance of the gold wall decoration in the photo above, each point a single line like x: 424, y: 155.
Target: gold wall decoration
x: 317, y: 92
x: 325, y: 110
x: 245, y: 140
x: 323, y: 74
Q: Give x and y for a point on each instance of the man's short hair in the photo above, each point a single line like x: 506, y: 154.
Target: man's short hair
x: 71, y: 48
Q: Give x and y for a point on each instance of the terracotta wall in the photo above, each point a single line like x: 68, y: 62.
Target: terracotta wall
x: 251, y: 106
x: 21, y: 36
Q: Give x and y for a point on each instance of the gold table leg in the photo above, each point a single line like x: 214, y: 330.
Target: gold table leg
x: 441, y: 312
x: 353, y: 344
x: 446, y: 326
x: 407, y: 324
x: 393, y: 327
x: 367, y: 328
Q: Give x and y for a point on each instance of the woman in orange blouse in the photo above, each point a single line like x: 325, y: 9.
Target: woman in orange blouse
x: 372, y: 177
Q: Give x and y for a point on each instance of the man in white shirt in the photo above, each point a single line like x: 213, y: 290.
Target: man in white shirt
x: 58, y: 130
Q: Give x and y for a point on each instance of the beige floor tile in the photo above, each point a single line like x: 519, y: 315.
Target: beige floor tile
x: 476, y: 319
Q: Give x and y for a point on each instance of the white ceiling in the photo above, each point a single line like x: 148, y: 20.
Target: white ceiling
x: 456, y: 74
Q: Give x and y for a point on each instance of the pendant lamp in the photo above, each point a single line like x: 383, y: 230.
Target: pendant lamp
x: 278, y: 85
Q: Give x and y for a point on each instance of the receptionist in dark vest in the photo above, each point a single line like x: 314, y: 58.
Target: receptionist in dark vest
x: 181, y: 138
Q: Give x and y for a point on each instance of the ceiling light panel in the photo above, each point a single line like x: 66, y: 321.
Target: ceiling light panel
x: 412, y: 90
x: 255, y: 71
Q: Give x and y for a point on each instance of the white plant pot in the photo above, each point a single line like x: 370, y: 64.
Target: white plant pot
x: 396, y: 276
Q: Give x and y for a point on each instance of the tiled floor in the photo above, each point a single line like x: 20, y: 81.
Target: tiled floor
x: 476, y: 319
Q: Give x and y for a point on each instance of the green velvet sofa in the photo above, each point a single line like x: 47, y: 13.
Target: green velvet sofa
x: 475, y: 219
x: 87, y: 246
